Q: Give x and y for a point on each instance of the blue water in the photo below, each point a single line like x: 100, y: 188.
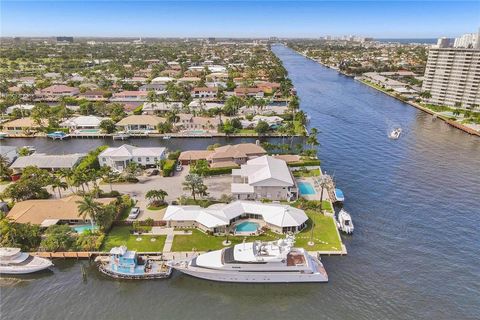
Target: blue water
x: 246, y: 226
x: 83, y: 228
x: 306, y: 188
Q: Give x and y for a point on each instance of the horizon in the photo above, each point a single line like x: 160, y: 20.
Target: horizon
x: 233, y: 19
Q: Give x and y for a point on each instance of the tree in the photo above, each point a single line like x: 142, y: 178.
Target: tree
x: 23, y: 235
x: 262, y: 127
x: 88, y: 207
x: 200, y: 167
x: 105, y: 216
x: 5, y: 171
x: 108, y: 175
x: 312, y: 138
x: 194, y: 183
x: 426, y: 94
x: 107, y: 126
x: 59, y: 185
x: 156, y: 197
x: 58, y: 237
x: 232, y: 104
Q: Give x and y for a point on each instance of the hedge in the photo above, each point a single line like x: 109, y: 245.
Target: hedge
x: 306, y: 163
x: 91, y: 160
x: 168, y: 168
x: 219, y: 171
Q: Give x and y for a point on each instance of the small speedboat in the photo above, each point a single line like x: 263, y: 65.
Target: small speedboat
x: 57, y: 135
x: 14, y: 261
x: 344, y: 222
x: 3, y: 135
x: 125, y: 264
x: 339, y: 195
x: 166, y: 137
x: 395, y: 134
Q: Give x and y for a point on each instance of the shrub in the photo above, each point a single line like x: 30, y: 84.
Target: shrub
x: 219, y: 171
x: 174, y: 155
x: 90, y: 241
x: 58, y: 237
x: 91, y: 160
x: 305, y: 163
x: 168, y: 168
x: 138, y: 110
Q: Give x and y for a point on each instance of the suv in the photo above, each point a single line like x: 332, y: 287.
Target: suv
x: 134, y: 213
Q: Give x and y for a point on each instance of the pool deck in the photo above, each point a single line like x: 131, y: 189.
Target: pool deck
x: 315, y: 196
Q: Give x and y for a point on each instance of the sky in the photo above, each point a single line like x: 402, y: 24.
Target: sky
x: 378, y: 19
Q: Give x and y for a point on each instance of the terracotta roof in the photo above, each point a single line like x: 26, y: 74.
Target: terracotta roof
x: 36, y: 211
x: 241, y: 150
x: 23, y: 122
x: 194, y: 155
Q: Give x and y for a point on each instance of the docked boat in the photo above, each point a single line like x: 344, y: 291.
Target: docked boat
x: 261, y: 262
x: 121, y: 136
x: 14, y: 261
x: 166, y: 137
x: 395, y: 134
x: 3, y: 135
x: 125, y: 264
x: 339, y: 195
x: 57, y: 135
x: 344, y: 222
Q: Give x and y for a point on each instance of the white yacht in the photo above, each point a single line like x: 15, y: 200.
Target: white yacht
x: 275, y: 261
x: 344, y: 222
x: 13, y: 261
x: 395, y: 134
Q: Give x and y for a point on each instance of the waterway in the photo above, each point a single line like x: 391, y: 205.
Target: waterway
x: 414, y: 202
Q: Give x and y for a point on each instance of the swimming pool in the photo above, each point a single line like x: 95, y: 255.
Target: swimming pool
x: 89, y: 130
x: 196, y: 132
x: 247, y: 226
x: 306, y: 188
x: 82, y: 228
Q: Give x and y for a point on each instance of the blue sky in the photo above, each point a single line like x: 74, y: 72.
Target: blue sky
x: 379, y: 19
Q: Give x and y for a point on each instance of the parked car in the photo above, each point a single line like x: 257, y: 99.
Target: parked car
x: 179, y: 167
x: 134, y: 212
x: 153, y: 172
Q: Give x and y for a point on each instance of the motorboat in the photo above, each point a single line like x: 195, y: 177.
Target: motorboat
x: 166, y: 137
x: 121, y: 136
x: 57, y: 135
x: 14, y: 261
x: 125, y: 264
x: 395, y: 133
x: 256, y: 262
x: 344, y: 222
x: 339, y: 195
x: 3, y: 135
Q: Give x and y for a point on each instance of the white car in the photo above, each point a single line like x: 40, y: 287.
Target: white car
x: 134, y: 212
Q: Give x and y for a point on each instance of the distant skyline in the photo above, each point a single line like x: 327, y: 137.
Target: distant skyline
x: 378, y: 19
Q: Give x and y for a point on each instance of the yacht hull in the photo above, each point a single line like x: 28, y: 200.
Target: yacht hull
x: 247, y: 277
x: 37, y: 264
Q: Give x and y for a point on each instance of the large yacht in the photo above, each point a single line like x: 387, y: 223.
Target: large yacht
x: 13, y: 261
x: 276, y: 261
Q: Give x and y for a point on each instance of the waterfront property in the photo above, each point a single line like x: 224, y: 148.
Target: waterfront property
x: 229, y: 155
x: 22, y: 126
x: 48, y: 162
x: 221, y: 218
x: 83, y: 123
x: 50, y: 211
x: 139, y: 123
x: 119, y: 158
x: 264, y: 178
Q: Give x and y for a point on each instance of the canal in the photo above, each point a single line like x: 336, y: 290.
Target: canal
x: 414, y: 202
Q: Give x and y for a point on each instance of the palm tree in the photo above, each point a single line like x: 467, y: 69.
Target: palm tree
x: 88, y: 207
x: 156, y: 196
x: 5, y: 171
x: 108, y: 174
x: 59, y: 184
x: 67, y: 174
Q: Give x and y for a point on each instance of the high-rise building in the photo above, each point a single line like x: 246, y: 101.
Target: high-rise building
x: 443, y: 42
x: 452, y: 76
x: 65, y: 39
x: 468, y: 40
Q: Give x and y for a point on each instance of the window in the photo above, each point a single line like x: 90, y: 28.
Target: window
x: 155, y: 159
x: 139, y: 159
x: 147, y: 159
x: 104, y: 159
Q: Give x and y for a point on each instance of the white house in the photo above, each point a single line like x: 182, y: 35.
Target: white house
x: 82, y: 122
x: 220, y: 217
x: 264, y: 178
x: 119, y: 158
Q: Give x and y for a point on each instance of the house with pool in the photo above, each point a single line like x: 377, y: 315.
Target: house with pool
x: 49, y: 212
x: 239, y: 217
x: 264, y: 177
x: 119, y: 158
x: 83, y: 124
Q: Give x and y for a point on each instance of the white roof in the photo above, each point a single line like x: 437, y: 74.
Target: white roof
x: 266, y: 171
x: 128, y: 151
x: 220, y: 215
x: 44, y: 161
x: 161, y: 80
x: 89, y: 121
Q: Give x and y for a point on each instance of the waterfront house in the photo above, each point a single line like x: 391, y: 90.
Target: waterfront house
x: 83, y: 122
x: 264, y: 178
x: 48, y: 162
x: 51, y: 211
x: 8, y: 152
x: 140, y: 123
x: 220, y: 218
x: 204, y: 92
x: 23, y: 126
x: 119, y: 158
x: 272, y: 121
x: 189, y: 122
x: 229, y: 155
x: 130, y: 96
x: 268, y: 87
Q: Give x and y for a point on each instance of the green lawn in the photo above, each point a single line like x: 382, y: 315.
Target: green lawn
x: 121, y: 236
x: 325, y: 237
x: 157, y: 208
x: 306, y: 173
x: 247, y: 131
x: 325, y: 233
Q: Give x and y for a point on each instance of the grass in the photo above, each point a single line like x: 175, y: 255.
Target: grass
x: 152, y: 207
x: 307, y: 173
x: 121, y: 236
x: 325, y: 237
x: 247, y: 131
